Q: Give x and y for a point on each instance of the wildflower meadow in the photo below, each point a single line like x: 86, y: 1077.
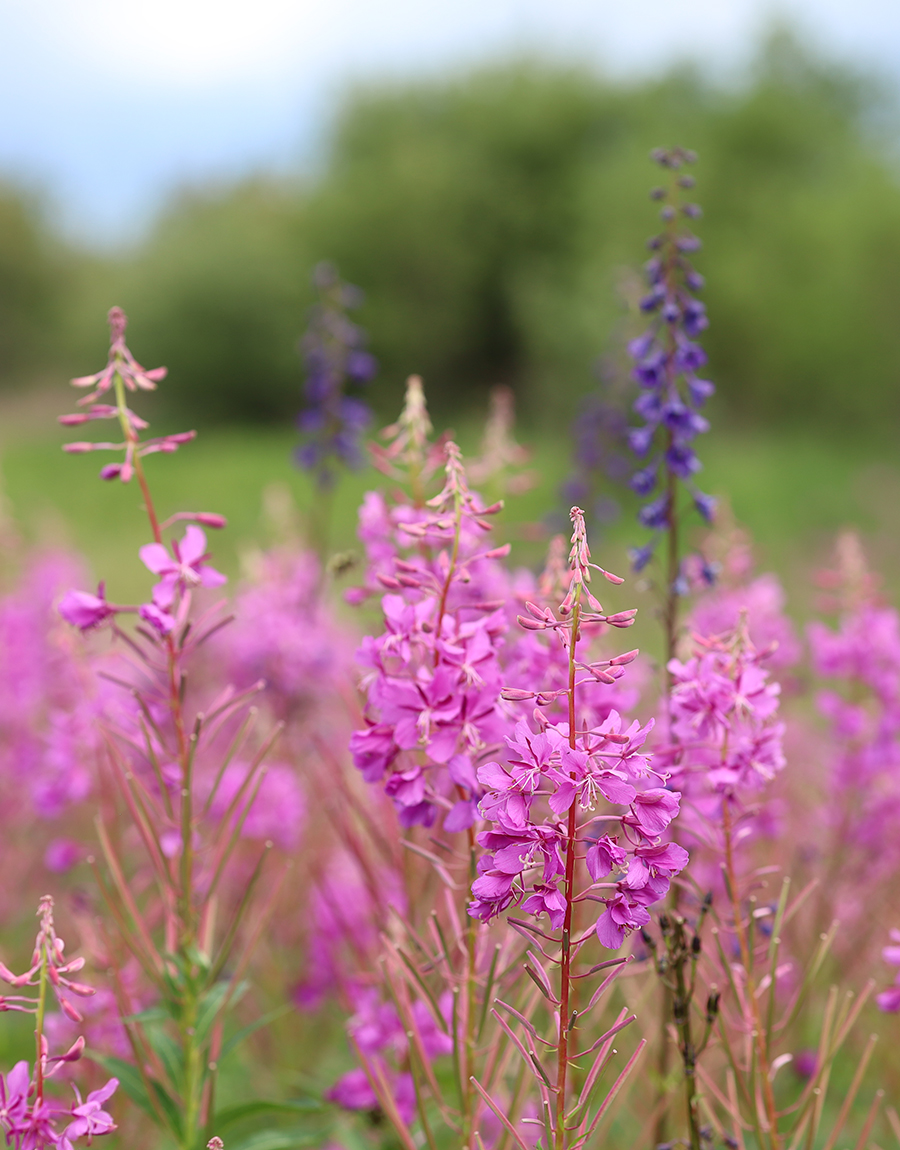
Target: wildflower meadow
x: 410, y: 847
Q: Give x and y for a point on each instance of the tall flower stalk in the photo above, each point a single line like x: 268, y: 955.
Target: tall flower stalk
x: 667, y: 359
x: 28, y: 1115
x: 193, y: 930
x: 540, y: 806
x: 333, y: 421
x: 433, y: 688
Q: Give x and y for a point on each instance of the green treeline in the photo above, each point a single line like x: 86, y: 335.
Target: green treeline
x: 496, y: 221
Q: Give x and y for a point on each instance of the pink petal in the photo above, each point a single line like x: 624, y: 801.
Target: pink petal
x: 193, y: 546
x: 104, y: 1092
x: 210, y: 577
x: 156, y: 558
x: 609, y: 933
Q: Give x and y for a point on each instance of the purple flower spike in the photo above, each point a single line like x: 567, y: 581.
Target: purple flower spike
x: 551, y: 779
x: 333, y: 423
x: 666, y: 358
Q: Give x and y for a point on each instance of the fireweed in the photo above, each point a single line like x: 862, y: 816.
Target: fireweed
x: 437, y: 719
x: 860, y: 662
x: 187, y: 916
x: 481, y: 749
x: 727, y: 753
x: 31, y: 1117
x: 716, y: 734
x: 532, y: 803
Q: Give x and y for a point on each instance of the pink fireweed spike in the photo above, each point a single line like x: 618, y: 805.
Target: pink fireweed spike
x: 539, y: 802
x: 49, y: 950
x: 120, y: 362
x: 28, y: 1118
x: 122, y: 372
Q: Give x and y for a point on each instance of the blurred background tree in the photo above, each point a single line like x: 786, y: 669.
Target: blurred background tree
x: 489, y: 218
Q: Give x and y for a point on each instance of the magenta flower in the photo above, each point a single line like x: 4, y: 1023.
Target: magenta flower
x: 160, y: 620
x: 620, y: 916
x: 603, y: 856
x: 353, y: 1091
x: 14, y: 1089
x: 84, y: 610
x: 889, y: 1000
x: 547, y: 899
x: 533, y: 801
x: 35, y: 1129
x: 90, y: 1117
x: 653, y: 810
x: 61, y: 855
x: 188, y: 568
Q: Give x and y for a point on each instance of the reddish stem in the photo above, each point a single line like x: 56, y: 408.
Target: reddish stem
x: 566, y: 961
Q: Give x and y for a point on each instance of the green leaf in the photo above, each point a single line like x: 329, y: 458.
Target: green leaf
x: 278, y: 1140
x: 238, y: 1037
x: 169, y: 1052
x: 153, y: 1014
x: 237, y: 1113
x: 211, y: 1003
x: 167, y: 1102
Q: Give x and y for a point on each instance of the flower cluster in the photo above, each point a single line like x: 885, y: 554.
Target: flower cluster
x: 861, y: 657
x: 667, y: 358
x: 122, y: 371
x: 725, y: 737
x: 539, y: 801
x: 433, y: 677
x: 46, y: 706
x: 378, y: 1035
x: 180, y: 569
x: 334, y: 353
x: 285, y: 633
x: 889, y: 1000
x: 29, y: 1118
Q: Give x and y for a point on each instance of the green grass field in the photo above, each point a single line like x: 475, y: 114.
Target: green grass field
x: 792, y: 495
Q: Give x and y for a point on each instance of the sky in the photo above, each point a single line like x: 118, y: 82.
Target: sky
x: 109, y: 105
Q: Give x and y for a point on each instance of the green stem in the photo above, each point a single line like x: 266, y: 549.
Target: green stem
x: 193, y: 1077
